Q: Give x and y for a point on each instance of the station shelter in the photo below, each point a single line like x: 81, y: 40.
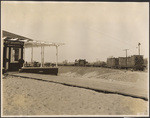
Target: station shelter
x: 14, y: 52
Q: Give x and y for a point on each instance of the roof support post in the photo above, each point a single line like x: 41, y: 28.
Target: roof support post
x: 32, y: 54
x: 41, y: 57
x: 56, y: 55
x: 24, y: 56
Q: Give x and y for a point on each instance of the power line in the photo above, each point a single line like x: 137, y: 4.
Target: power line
x: 108, y: 35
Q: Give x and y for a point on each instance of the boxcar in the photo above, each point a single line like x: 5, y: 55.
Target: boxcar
x: 80, y: 62
x: 112, y: 62
x: 99, y: 64
x: 122, y: 62
x: 145, y: 63
x: 135, y: 62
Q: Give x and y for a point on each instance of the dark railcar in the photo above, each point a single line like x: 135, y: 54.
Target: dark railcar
x: 146, y: 63
x: 89, y: 64
x: 123, y: 62
x: 135, y: 62
x: 80, y: 62
x: 99, y: 64
x: 112, y: 62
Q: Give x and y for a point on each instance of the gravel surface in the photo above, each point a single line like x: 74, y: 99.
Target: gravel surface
x: 33, y: 97
x: 79, y: 70
x: 104, y: 73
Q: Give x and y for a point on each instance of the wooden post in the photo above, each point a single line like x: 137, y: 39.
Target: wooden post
x: 31, y: 54
x: 56, y: 55
x: 7, y: 56
x: 41, y: 57
x: 24, y: 56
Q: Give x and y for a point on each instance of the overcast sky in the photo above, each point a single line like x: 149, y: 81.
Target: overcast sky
x: 92, y: 31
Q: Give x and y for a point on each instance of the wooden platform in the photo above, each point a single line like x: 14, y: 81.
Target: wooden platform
x: 40, y: 70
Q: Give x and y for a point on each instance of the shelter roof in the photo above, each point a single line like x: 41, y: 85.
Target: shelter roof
x: 8, y: 36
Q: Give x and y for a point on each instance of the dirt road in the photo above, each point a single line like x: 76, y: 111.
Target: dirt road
x: 33, y: 97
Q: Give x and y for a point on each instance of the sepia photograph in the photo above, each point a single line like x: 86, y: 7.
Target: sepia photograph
x: 74, y: 59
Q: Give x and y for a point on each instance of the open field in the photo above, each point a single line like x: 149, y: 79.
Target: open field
x: 23, y: 96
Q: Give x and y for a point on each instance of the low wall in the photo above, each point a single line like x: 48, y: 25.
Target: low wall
x: 40, y: 70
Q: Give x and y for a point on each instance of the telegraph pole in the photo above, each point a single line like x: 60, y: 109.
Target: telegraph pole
x: 126, y: 56
x: 139, y: 47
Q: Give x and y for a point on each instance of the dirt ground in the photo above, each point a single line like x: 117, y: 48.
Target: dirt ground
x: 32, y: 97
x: 105, y: 74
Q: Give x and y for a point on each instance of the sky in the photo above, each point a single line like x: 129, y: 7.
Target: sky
x: 90, y: 30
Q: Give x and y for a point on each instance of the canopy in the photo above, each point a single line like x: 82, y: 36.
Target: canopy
x: 7, y: 36
x: 30, y: 43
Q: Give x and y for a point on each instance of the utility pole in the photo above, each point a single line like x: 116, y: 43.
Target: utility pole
x: 139, y: 47
x: 126, y: 56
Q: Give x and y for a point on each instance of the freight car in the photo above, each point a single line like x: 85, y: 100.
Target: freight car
x: 99, y: 64
x: 80, y: 62
x: 70, y: 64
x: 123, y: 62
x: 112, y: 62
x: 146, y: 63
x: 135, y: 62
x: 89, y: 64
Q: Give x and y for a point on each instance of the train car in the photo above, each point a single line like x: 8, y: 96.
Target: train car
x: 99, y: 64
x: 135, y: 62
x: 123, y: 63
x: 70, y: 64
x: 112, y: 62
x: 146, y: 63
x: 80, y: 62
x: 89, y: 64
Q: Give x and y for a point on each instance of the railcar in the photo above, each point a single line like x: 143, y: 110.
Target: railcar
x: 80, y: 62
x: 135, y: 62
x: 89, y: 64
x: 99, y: 64
x: 112, y: 62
